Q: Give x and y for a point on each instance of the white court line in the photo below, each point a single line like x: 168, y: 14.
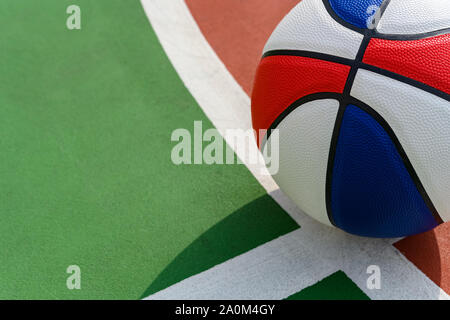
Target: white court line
x: 312, y: 251
x: 265, y: 270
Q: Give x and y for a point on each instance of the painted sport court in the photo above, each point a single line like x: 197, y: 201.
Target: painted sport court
x: 86, y: 176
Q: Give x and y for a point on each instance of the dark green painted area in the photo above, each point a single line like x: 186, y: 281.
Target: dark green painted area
x: 335, y: 287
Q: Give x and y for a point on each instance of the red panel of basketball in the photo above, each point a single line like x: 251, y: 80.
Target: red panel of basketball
x: 282, y: 80
x: 425, y: 60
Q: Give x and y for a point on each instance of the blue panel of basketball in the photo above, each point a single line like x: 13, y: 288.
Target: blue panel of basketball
x: 355, y: 12
x: 372, y: 193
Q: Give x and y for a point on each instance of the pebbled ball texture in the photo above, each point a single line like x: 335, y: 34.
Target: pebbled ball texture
x: 426, y: 60
x: 382, y: 168
x: 358, y: 13
x: 282, y: 80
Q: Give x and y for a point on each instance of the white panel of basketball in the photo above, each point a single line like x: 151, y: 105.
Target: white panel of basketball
x: 415, y: 16
x: 310, y: 27
x: 304, y: 144
x: 421, y: 122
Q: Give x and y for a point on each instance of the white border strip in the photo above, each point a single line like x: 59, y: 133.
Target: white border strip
x: 261, y: 273
x: 286, y: 265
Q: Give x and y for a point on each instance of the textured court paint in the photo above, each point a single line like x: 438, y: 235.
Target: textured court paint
x: 237, y: 30
x: 430, y: 252
x: 85, y: 124
x: 244, y: 229
x: 221, y: 98
x: 334, y: 287
x: 372, y: 192
x: 273, y: 271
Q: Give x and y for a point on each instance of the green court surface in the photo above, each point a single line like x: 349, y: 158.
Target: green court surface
x: 86, y: 118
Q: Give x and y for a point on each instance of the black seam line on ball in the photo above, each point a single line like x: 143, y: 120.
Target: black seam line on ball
x: 357, y: 62
x: 295, y: 105
x: 383, y: 8
x: 409, y: 167
x: 337, y: 126
x: 331, y: 158
x: 406, y: 80
x: 309, y: 54
x: 338, y: 19
x: 360, y: 65
x: 406, y: 37
x: 376, y: 34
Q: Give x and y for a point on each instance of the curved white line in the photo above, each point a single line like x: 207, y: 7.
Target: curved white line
x: 320, y: 249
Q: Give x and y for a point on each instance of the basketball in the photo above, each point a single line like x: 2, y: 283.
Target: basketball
x: 359, y: 93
